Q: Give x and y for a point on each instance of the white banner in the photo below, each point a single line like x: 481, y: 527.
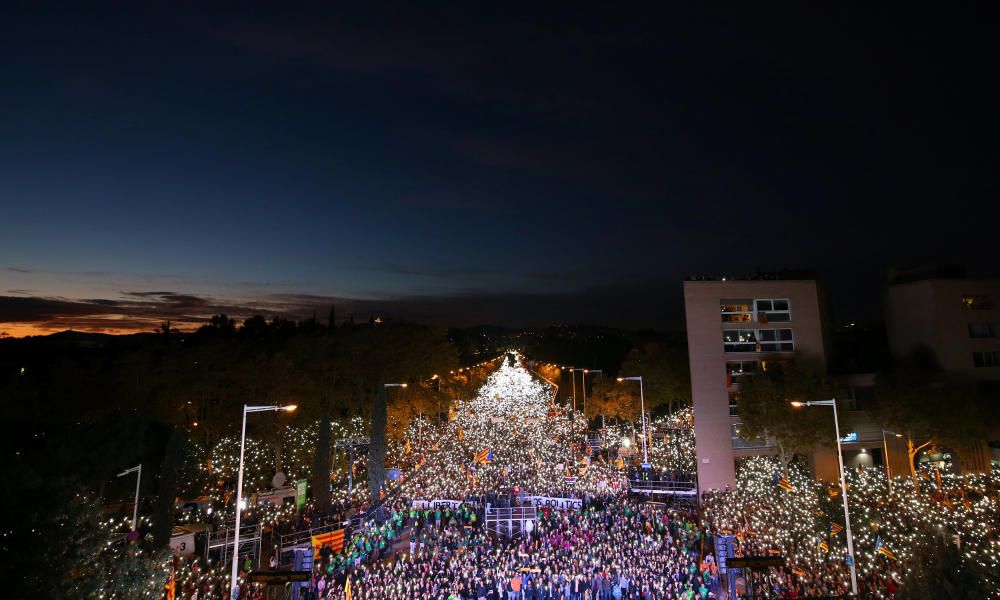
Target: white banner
x: 441, y: 503
x: 556, y: 503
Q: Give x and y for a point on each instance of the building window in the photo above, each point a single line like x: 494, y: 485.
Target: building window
x: 736, y: 369
x: 985, y: 359
x: 981, y: 330
x: 739, y: 311
x: 740, y: 340
x: 773, y: 310
x: 734, y: 397
x: 740, y: 443
x: 976, y: 302
x: 775, y: 340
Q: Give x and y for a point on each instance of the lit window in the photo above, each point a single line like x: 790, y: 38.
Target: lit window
x: 740, y: 340
x: 981, y: 330
x: 740, y: 311
x: 976, y: 302
x: 985, y: 359
x: 773, y: 310
x: 740, y: 368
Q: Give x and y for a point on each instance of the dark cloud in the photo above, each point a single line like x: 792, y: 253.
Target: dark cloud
x: 18, y: 270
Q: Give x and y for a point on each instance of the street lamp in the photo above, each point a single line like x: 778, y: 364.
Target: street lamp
x: 572, y: 378
x: 135, y: 510
x: 234, y: 583
x: 583, y: 386
x: 843, y: 487
x: 642, y: 409
x: 885, y: 449
x: 389, y: 385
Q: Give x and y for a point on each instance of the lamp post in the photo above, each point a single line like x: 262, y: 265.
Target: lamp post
x: 234, y: 583
x: 135, y: 510
x: 583, y: 386
x: 572, y: 378
x: 642, y: 409
x: 843, y: 487
x: 885, y: 450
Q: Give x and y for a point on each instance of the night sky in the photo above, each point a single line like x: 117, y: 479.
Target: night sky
x: 447, y: 164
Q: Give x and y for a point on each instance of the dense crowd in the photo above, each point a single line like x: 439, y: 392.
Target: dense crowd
x: 610, y: 549
x: 511, y: 443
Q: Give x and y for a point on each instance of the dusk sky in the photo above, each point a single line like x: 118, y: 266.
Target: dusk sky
x: 452, y: 165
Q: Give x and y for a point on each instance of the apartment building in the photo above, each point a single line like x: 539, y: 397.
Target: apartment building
x: 733, y: 325
x: 956, y: 319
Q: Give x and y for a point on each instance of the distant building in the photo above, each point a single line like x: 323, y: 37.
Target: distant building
x: 954, y: 318
x: 957, y: 320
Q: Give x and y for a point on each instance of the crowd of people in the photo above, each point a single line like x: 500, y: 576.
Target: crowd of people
x: 611, y: 549
x: 510, y: 444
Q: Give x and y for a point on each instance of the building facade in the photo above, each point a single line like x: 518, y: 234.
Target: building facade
x: 956, y: 319
x: 732, y: 326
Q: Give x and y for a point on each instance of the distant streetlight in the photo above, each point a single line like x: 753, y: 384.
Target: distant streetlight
x: 843, y: 486
x: 234, y: 583
x: 885, y: 448
x: 642, y: 409
x: 389, y: 385
x: 135, y: 509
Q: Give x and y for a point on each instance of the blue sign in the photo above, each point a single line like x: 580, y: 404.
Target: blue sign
x: 850, y: 437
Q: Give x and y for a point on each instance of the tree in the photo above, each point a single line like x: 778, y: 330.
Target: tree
x: 930, y: 407
x: 764, y: 405
x: 613, y: 399
x: 170, y: 469
x: 941, y: 572
x: 322, y: 464
x: 665, y: 374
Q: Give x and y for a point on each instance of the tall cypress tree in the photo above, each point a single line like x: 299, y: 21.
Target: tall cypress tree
x: 376, y: 450
x: 321, y: 465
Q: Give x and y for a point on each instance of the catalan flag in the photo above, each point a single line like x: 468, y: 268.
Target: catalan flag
x: 823, y: 546
x: 783, y: 484
x: 461, y: 436
x: 484, y: 456
x: 335, y: 539
x: 408, y: 448
x: 835, y: 528
x: 170, y: 586
x: 882, y: 549
x: 347, y: 589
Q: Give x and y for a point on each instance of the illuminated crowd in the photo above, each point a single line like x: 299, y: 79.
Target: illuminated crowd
x: 512, y: 442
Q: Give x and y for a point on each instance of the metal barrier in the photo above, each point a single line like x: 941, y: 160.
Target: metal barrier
x: 509, y: 522
x: 672, y: 488
x: 222, y: 539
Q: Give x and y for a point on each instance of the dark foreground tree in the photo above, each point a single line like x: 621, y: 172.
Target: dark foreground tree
x: 940, y: 572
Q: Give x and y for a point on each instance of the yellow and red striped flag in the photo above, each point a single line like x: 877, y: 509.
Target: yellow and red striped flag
x: 335, y: 539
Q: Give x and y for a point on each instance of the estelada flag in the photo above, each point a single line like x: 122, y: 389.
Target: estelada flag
x: 484, y: 456
x: 783, y: 484
x: 882, y: 549
x: 823, y: 546
x: 347, y: 589
x: 408, y: 448
x: 835, y: 528
x: 334, y: 539
x: 461, y: 436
